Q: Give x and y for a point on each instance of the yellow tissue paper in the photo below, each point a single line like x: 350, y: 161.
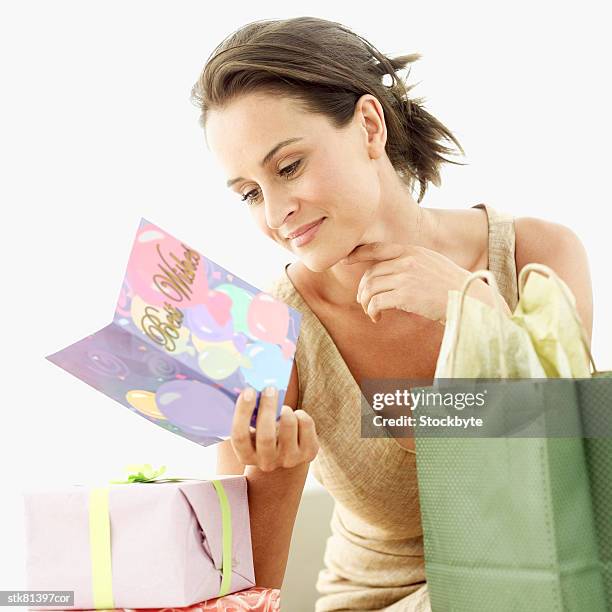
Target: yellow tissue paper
x: 486, y: 339
x: 547, y: 310
x: 543, y: 338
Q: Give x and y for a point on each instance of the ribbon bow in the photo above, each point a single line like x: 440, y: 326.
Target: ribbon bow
x: 100, y: 539
x: 143, y: 472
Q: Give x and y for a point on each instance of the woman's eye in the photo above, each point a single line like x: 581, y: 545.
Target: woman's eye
x: 289, y: 170
x: 248, y: 198
x: 286, y: 172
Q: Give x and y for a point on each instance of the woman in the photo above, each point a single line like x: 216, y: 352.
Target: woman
x: 316, y: 133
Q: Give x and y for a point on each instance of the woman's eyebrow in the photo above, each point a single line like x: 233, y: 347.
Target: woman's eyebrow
x: 268, y: 156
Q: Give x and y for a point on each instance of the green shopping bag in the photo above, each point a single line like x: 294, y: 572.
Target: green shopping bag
x: 507, y: 522
x: 595, y: 396
x: 557, y: 348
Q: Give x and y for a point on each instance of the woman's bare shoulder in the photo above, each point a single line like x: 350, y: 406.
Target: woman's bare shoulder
x: 558, y: 247
x: 539, y: 239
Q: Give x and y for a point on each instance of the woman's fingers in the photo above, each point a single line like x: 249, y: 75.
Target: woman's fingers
x: 265, y: 430
x: 272, y: 444
x: 288, y: 438
x: 307, y: 436
x: 242, y: 440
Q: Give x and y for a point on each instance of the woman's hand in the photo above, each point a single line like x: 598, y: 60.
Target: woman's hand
x: 413, y: 279
x: 271, y: 444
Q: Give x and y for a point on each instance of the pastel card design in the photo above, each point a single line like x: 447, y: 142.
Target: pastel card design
x: 187, y: 336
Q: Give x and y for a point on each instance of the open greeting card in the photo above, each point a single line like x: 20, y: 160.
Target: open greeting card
x: 187, y: 336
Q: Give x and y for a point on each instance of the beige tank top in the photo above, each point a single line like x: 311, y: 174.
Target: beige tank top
x: 372, y: 480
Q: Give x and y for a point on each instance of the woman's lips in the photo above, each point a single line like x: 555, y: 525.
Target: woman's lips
x: 308, y: 235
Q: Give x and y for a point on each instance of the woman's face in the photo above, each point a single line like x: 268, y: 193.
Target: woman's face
x: 323, y: 174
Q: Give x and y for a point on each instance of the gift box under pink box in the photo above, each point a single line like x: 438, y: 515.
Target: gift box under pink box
x: 166, y: 542
x: 255, y: 599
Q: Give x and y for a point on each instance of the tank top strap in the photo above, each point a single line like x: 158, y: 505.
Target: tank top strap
x: 283, y: 289
x: 501, y: 252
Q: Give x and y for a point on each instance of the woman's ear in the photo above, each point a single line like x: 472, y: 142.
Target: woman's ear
x: 372, y: 120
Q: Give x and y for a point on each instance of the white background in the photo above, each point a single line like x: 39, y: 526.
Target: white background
x: 97, y: 131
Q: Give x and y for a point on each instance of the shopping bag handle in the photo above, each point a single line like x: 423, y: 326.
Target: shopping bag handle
x: 546, y: 271
x: 492, y: 284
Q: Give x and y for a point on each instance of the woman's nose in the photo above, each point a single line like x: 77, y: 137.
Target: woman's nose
x: 278, y: 206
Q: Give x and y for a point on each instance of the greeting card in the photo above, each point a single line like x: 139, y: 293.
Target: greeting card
x: 187, y: 336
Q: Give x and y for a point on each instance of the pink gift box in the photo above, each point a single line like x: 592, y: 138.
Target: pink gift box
x: 166, y: 543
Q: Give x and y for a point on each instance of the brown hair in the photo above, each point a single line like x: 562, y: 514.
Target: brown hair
x: 326, y: 68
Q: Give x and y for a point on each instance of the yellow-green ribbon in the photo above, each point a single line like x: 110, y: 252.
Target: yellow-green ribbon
x: 100, y: 548
x: 226, y: 531
x: 100, y: 537
x: 143, y: 472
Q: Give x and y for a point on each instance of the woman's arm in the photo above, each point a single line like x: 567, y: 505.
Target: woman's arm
x: 274, y: 498
x: 557, y: 247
